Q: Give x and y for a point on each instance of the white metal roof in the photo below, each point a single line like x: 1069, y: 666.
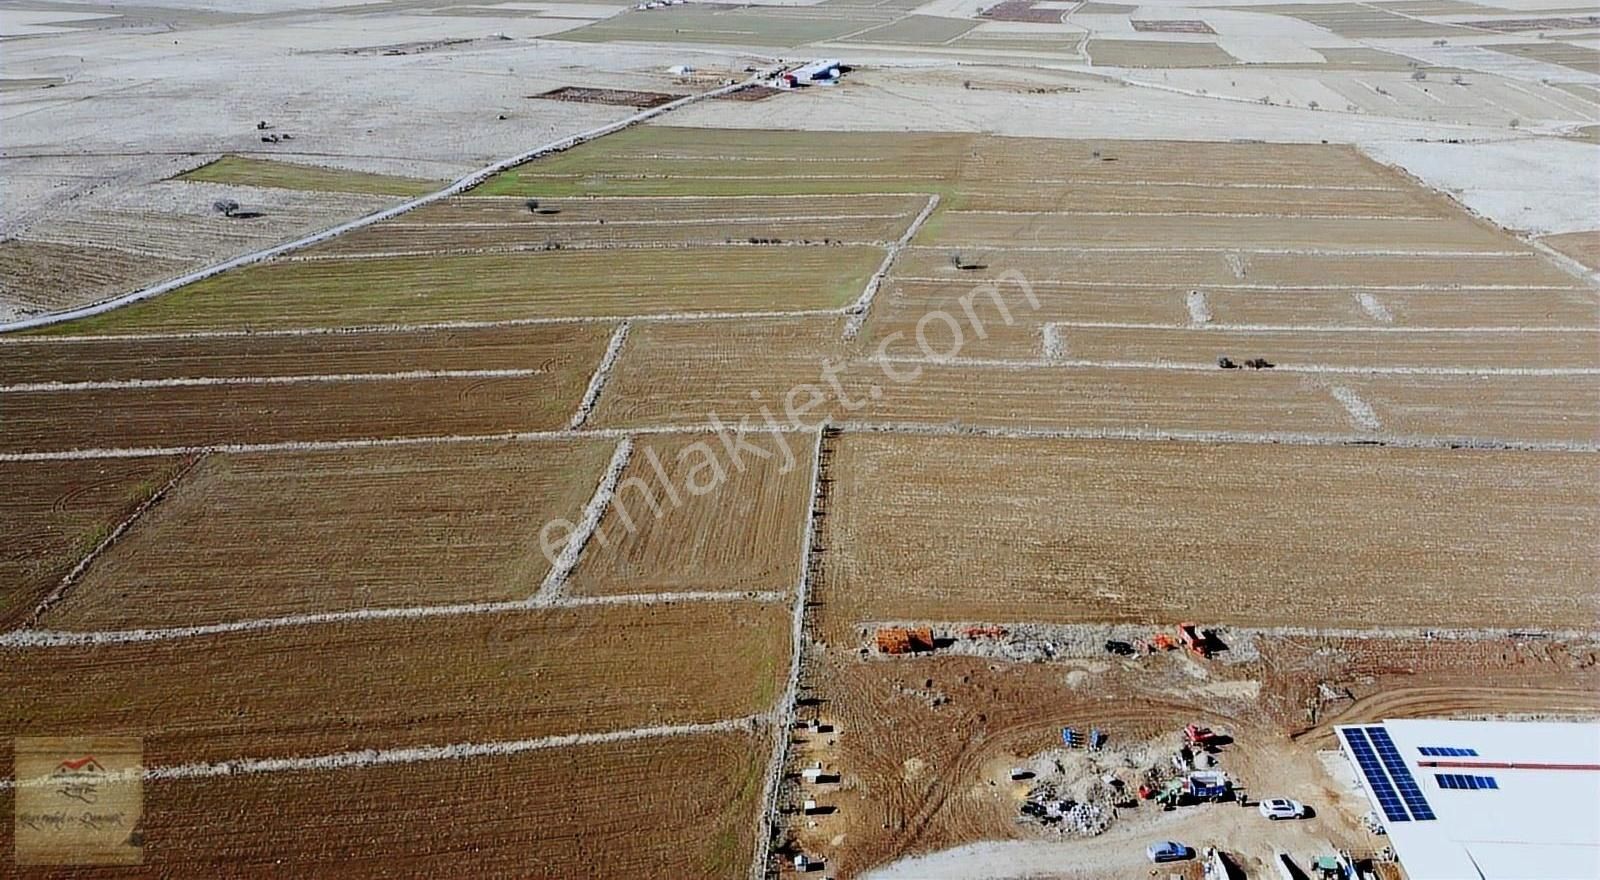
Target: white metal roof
x: 1539, y: 821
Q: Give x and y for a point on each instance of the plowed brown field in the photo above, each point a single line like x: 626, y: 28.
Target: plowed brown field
x: 252, y: 536
x: 554, y: 349
x: 1239, y: 270
x: 383, y: 684
x: 48, y: 421
x: 1247, y: 233
x: 680, y: 807
x: 1073, y: 531
x: 743, y: 533
x: 1353, y: 349
x: 56, y: 512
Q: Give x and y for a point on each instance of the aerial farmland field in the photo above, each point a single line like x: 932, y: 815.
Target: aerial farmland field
x: 582, y: 444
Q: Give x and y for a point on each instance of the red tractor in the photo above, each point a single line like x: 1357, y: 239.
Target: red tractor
x: 1201, y: 737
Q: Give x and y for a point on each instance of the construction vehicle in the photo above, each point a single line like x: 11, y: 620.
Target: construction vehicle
x: 904, y: 640
x: 1197, y: 640
x: 1157, y: 642
x: 1201, y: 737
x: 1208, y: 785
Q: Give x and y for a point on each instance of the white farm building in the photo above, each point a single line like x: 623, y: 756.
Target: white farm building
x: 1496, y: 800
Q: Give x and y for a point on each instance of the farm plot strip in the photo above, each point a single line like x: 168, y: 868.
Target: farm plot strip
x: 700, y: 511
x: 48, y: 638
x: 72, y: 577
x: 1389, y: 349
x: 546, y: 347
x: 783, y: 713
x: 252, y: 537
x: 213, y: 381
x: 426, y: 327
x: 54, y: 514
x: 490, y: 287
x: 538, y: 812
x: 1458, y: 539
x: 1199, y: 367
x: 400, y: 682
x: 226, y: 414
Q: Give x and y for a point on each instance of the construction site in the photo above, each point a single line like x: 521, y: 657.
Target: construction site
x: 829, y: 439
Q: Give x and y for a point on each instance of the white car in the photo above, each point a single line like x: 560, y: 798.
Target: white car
x: 1282, y: 808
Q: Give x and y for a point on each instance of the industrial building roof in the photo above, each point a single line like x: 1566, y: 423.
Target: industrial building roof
x: 1484, y: 799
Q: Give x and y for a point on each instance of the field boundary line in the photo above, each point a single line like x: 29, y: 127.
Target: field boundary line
x: 783, y: 714
x: 602, y: 373
x: 48, y: 638
x: 364, y: 758
x: 555, y: 582
x: 1315, y: 328
x: 858, y: 310
x: 676, y: 221
x: 71, y: 578
x: 1288, y: 438
x: 726, y: 197
x: 425, y: 327
x: 1211, y: 367
x: 458, y: 186
x: 210, y: 381
x: 1361, y: 412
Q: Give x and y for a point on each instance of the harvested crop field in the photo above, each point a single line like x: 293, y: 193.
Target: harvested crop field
x: 37, y: 277
x: 1246, y: 270
x: 249, y: 410
x: 251, y: 171
x: 253, y: 536
x: 57, y: 512
x: 1157, y: 53
x: 549, y: 348
x: 682, y: 373
x: 1175, y: 232
x: 1137, y: 532
x: 902, y: 305
x: 343, y: 293
x: 741, y: 532
x: 609, y: 97
x: 1584, y: 58
x: 1355, y: 349
x: 552, y: 813
x: 467, y: 223
x: 401, y: 683
x: 1102, y: 200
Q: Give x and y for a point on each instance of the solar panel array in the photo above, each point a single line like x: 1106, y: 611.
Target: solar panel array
x: 1388, y: 777
x: 1410, y: 791
x: 1464, y: 782
x: 1447, y: 752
